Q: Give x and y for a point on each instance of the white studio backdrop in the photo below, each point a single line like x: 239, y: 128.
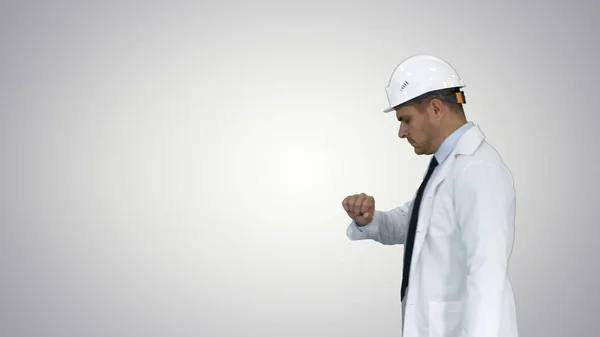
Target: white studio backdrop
x: 177, y: 168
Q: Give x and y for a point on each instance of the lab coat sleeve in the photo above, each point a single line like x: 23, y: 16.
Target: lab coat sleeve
x: 387, y: 227
x: 485, y: 210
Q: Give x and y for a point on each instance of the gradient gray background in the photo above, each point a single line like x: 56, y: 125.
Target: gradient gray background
x: 177, y: 169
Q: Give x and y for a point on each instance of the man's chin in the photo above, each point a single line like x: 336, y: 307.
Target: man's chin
x: 420, y: 152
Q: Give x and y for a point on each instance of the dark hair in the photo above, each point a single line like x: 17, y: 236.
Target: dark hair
x: 447, y: 95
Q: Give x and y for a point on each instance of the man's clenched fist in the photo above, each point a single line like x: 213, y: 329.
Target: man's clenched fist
x: 360, y: 207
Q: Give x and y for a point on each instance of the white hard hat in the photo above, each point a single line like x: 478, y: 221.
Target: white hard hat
x: 418, y: 75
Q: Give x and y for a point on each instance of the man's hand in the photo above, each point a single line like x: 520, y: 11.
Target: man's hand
x: 360, y: 207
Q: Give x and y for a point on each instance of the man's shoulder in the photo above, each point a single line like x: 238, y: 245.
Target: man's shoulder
x: 485, y: 156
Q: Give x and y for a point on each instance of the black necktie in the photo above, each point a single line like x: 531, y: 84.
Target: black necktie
x: 412, y: 227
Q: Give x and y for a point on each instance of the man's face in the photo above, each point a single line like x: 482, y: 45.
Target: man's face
x: 418, y: 127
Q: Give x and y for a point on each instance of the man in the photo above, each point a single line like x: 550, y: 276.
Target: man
x: 458, y: 229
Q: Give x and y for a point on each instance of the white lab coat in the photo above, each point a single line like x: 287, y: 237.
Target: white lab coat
x: 459, y: 284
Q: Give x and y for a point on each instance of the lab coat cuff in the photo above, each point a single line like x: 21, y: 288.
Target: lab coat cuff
x: 360, y: 229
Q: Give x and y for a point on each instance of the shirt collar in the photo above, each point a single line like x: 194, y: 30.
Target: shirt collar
x: 450, y: 142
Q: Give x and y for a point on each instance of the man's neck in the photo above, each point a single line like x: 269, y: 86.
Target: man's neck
x: 448, y: 130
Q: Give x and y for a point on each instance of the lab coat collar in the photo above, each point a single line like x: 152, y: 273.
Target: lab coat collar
x: 450, y: 143
x: 470, y: 141
x: 467, y: 144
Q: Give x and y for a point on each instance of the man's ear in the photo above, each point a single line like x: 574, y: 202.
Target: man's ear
x: 437, y: 107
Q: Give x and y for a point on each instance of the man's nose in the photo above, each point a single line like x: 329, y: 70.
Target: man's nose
x: 402, y: 131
